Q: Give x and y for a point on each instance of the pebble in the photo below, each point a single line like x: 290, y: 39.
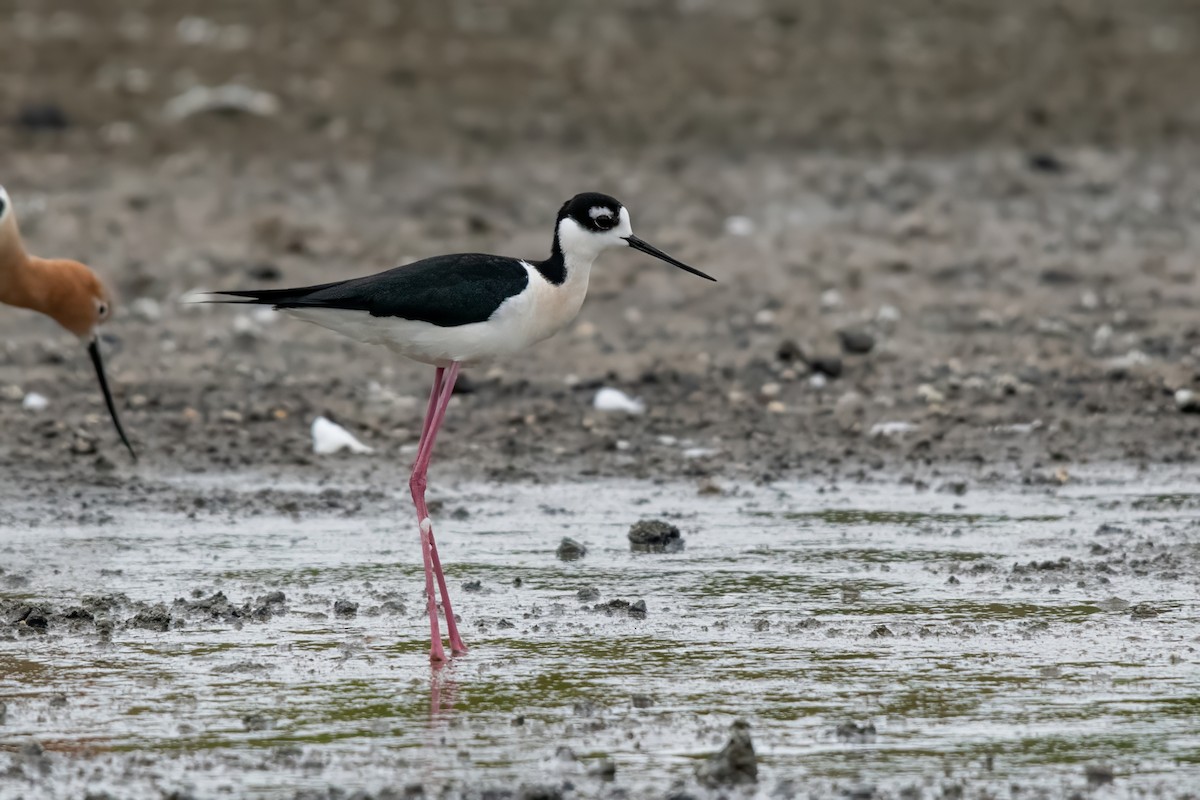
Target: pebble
x: 610, y: 399
x: 735, y: 765
x: 147, y: 309
x: 570, y: 550
x: 655, y: 536
x: 34, y: 402
x: 930, y: 395
x: 830, y: 299
x: 1187, y: 401
x: 345, y: 608
x: 776, y: 407
x: 788, y: 352
x: 329, y: 437
x: 891, y: 428
x: 739, y: 226
x: 764, y: 318
x: 770, y: 390
x: 228, y: 98
x: 856, y: 340
x: 830, y: 366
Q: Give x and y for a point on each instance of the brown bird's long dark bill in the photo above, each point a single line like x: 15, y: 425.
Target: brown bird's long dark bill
x: 94, y: 352
x: 649, y: 249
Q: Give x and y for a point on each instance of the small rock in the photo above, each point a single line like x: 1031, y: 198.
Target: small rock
x: 570, y: 550
x: 1143, y: 611
x: 930, y: 395
x: 587, y: 594
x: 830, y: 366
x: 345, y: 608
x: 228, y: 99
x: 881, y: 632
x: 605, y: 769
x: 789, y: 352
x: 655, y: 536
x: 1187, y: 401
x: 855, y: 733
x: 739, y: 226
x: 34, y: 402
x: 830, y: 299
x: 258, y: 722
x: 637, y: 609
x: 1098, y: 774
x: 856, y: 340
x: 42, y: 117
x: 642, y: 701
x: 329, y: 437
x: 735, y: 765
x: 152, y: 619
x: 610, y: 399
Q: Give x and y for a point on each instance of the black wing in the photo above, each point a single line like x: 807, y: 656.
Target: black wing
x: 444, y: 290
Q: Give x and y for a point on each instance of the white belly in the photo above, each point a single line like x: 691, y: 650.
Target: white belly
x: 538, y: 313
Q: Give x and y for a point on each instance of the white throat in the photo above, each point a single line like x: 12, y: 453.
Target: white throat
x: 580, y: 247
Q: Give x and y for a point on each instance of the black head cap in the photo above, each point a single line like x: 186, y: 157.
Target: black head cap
x: 593, y: 211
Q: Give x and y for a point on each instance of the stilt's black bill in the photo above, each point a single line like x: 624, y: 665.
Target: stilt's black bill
x: 94, y: 352
x: 649, y: 249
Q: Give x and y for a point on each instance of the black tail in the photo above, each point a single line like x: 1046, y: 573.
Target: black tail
x: 270, y: 297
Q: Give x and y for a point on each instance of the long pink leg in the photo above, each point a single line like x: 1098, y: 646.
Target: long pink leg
x: 439, y: 399
x: 436, y: 653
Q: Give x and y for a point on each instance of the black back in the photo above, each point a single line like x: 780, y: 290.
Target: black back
x: 444, y: 290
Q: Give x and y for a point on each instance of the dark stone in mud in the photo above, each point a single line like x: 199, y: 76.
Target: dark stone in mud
x: 258, y: 722
x: 505, y: 624
x: 540, y: 793
x: 605, y: 769
x: 829, y: 366
x: 570, y: 550
x: 655, y: 536
x: 637, y: 610
x: 3, y: 712
x: 855, y: 733
x: 789, y: 352
x: 42, y: 117
x: 32, y: 617
x: 345, y: 608
x: 473, y: 586
x: 735, y: 765
x: 214, y: 607
x: 156, y: 618
x: 1098, y: 774
x: 642, y: 701
x: 881, y: 632
x: 858, y: 341
x: 1143, y: 611
x: 587, y: 594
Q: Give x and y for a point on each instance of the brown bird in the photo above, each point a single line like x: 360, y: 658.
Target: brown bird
x: 66, y: 291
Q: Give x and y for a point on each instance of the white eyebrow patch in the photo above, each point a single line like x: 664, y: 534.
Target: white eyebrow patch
x: 599, y: 211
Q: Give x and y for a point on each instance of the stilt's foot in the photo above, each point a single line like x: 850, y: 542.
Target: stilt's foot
x: 458, y: 648
x: 436, y: 651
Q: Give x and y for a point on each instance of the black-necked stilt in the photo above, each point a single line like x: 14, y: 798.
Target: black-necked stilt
x: 451, y: 310
x: 64, y: 290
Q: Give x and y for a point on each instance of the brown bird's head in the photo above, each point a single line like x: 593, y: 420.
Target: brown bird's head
x: 66, y: 291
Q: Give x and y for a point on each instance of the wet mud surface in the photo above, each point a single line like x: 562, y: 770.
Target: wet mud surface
x: 925, y: 441
x: 881, y: 640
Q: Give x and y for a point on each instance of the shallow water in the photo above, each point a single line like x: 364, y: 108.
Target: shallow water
x: 797, y: 608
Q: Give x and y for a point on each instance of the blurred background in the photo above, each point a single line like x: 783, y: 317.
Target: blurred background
x: 945, y: 211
